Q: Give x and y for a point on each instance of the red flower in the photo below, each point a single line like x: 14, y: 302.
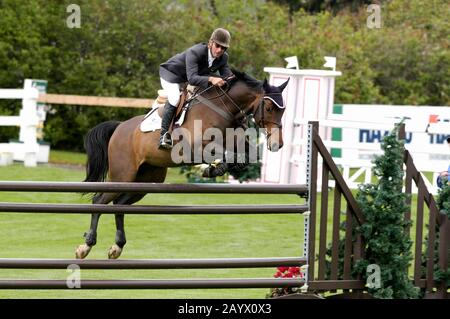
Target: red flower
x: 278, y: 274
x: 282, y: 269
x: 294, y: 270
x: 288, y: 272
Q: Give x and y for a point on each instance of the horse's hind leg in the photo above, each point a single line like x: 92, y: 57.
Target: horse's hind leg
x: 91, y: 235
x: 120, y: 241
x: 146, y: 174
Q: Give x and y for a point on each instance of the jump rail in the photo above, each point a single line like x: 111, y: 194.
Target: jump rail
x: 136, y: 209
x: 301, y: 190
x: 154, y: 284
x: 151, y: 263
x: 71, y: 187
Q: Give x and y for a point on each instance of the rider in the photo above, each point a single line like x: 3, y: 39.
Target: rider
x: 200, y: 65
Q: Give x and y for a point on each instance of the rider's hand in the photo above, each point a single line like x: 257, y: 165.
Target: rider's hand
x: 216, y: 81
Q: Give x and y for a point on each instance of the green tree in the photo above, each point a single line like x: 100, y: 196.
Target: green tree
x: 23, y: 52
x: 383, y: 206
x: 118, y: 49
x: 314, y: 6
x: 443, y: 203
x: 443, y: 200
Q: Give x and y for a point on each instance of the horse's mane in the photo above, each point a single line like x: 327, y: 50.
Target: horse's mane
x: 247, y: 79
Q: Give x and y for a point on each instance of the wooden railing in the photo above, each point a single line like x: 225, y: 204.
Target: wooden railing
x: 437, y: 226
x: 329, y: 278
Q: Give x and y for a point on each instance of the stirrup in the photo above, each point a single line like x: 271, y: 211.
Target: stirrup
x: 165, y: 142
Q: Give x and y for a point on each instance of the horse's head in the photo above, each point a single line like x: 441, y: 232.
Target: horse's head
x: 248, y: 95
x: 269, y: 113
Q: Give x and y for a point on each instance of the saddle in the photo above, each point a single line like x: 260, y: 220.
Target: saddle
x: 152, y: 120
x: 187, y: 91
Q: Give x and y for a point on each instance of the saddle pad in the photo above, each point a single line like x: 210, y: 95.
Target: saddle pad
x: 152, y: 121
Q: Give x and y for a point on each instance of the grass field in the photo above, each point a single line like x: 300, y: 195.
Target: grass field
x: 148, y: 236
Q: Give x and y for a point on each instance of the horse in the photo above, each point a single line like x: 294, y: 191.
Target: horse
x: 121, y: 152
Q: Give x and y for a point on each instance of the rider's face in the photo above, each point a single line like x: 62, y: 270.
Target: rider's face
x: 216, y: 49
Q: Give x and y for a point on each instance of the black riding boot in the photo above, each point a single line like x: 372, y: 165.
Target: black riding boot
x: 165, y: 140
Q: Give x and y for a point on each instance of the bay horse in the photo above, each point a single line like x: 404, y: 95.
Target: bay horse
x: 120, y: 152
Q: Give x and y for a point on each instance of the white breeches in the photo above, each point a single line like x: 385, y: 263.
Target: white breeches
x: 172, y: 90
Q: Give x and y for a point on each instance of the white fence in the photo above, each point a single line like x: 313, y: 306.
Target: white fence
x: 360, y: 129
x: 27, y: 148
x: 32, y: 116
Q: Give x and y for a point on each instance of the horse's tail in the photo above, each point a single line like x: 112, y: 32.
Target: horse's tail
x: 96, y: 145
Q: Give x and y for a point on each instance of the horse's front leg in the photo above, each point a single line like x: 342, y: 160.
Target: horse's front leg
x: 215, y: 169
x: 219, y: 168
x: 233, y: 161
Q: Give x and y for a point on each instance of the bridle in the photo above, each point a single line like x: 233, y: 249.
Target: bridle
x: 242, y: 114
x: 262, y: 122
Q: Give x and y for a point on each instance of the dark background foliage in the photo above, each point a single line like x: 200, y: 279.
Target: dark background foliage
x: 118, y: 49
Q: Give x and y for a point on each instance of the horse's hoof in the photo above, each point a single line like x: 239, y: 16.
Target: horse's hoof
x: 207, y: 172
x: 215, y: 170
x: 114, y: 252
x: 220, y: 169
x: 82, y: 251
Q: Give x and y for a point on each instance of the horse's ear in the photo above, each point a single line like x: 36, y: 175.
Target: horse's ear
x: 282, y: 86
x: 265, y: 84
